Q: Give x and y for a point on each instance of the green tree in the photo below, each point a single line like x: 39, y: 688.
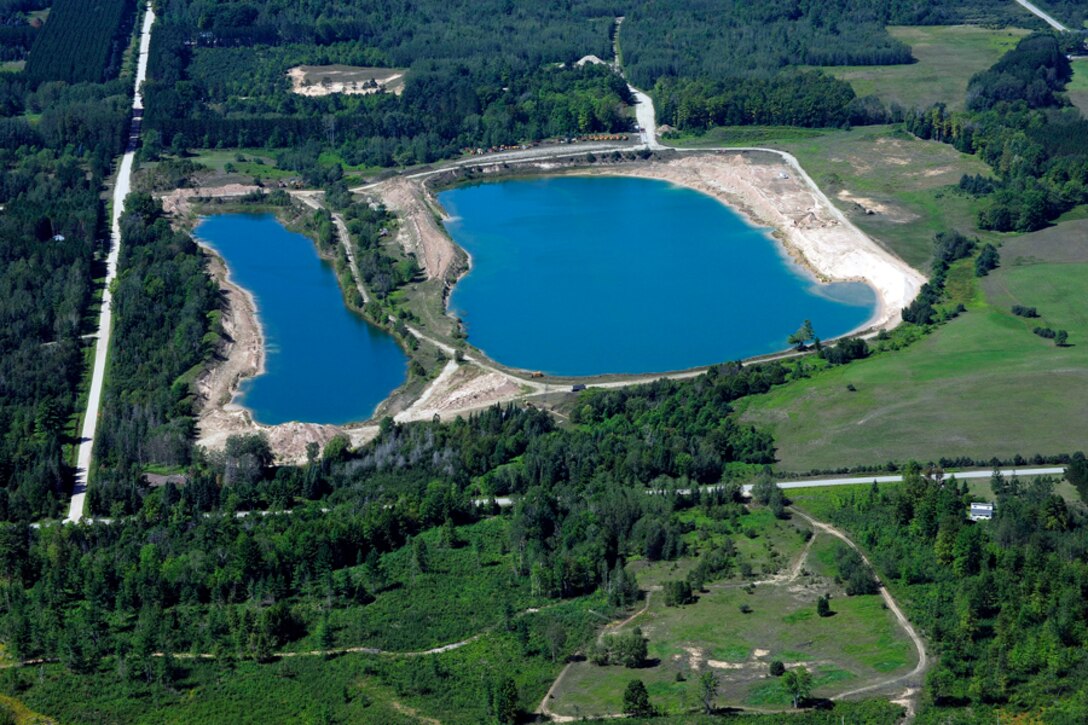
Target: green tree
x: 803, y: 335
x: 823, y: 606
x: 1061, y: 337
x: 506, y: 702
x: 708, y: 690
x: 798, y: 682
x: 636, y: 700
x: 1077, y: 474
x: 421, y: 555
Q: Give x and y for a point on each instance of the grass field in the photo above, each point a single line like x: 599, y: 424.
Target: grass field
x: 1078, y: 87
x: 947, y: 58
x: 983, y: 385
x: 861, y: 643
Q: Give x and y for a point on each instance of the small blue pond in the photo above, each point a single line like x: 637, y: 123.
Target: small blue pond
x: 323, y: 363
x: 591, y: 275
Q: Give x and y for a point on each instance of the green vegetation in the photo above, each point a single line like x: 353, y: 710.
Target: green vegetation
x: 913, y: 400
x: 1017, y: 121
x: 166, y: 312
x: 947, y: 57
x: 1077, y: 90
x: 736, y: 632
x: 82, y: 41
x: 998, y: 601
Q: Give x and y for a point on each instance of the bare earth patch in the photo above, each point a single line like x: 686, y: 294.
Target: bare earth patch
x: 179, y: 202
x: 888, y: 212
x: 324, y: 80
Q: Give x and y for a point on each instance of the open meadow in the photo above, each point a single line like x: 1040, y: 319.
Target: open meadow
x: 947, y: 55
x: 1077, y: 90
x: 982, y: 385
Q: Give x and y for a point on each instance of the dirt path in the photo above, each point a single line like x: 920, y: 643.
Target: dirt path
x: 908, y: 699
x: 913, y: 678
x: 544, y: 709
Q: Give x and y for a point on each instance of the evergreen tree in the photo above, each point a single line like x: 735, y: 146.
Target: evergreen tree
x: 636, y: 700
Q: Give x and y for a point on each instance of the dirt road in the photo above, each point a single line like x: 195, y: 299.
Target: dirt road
x: 105, y: 315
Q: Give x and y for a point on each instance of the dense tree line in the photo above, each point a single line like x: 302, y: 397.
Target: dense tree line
x: 499, y: 72
x: 799, y: 99
x: 1002, y: 601
x: 583, y: 512
x: 165, y: 329
x: 1018, y: 121
x: 82, y: 41
x: 52, y: 232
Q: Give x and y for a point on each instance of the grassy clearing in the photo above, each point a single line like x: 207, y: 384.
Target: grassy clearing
x: 983, y: 385
x: 1078, y: 87
x: 15, y: 712
x: 12, y: 66
x: 860, y: 643
x: 762, y: 542
x: 907, y: 184
x: 947, y: 58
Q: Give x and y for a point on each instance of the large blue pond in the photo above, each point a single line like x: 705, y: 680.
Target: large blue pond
x: 323, y: 363
x: 590, y: 275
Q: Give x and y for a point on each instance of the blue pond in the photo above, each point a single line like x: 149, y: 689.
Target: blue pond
x: 593, y: 275
x: 323, y: 363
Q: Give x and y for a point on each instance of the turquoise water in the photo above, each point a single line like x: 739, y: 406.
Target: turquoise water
x: 323, y: 363
x: 591, y: 275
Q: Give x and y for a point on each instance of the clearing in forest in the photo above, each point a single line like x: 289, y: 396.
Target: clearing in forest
x: 1077, y: 90
x: 736, y: 631
x: 947, y: 58
x: 323, y: 80
x: 982, y: 385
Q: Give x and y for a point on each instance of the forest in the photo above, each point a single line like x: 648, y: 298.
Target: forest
x: 499, y: 73
x: 1002, y: 602
x: 1020, y: 123
x: 51, y: 241
x: 166, y: 311
x: 82, y: 41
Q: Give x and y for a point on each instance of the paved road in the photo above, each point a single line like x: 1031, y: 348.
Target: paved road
x: 105, y: 317
x: 1046, y: 18
x: 505, y: 501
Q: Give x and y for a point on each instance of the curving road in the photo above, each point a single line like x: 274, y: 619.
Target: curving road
x: 105, y: 316
x: 1049, y: 20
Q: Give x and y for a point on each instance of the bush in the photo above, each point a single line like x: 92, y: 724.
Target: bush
x: 777, y: 668
x: 678, y: 593
x: 1021, y: 311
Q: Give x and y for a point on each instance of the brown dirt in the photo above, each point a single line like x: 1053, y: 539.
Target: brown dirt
x: 325, y: 80
x: 179, y: 201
